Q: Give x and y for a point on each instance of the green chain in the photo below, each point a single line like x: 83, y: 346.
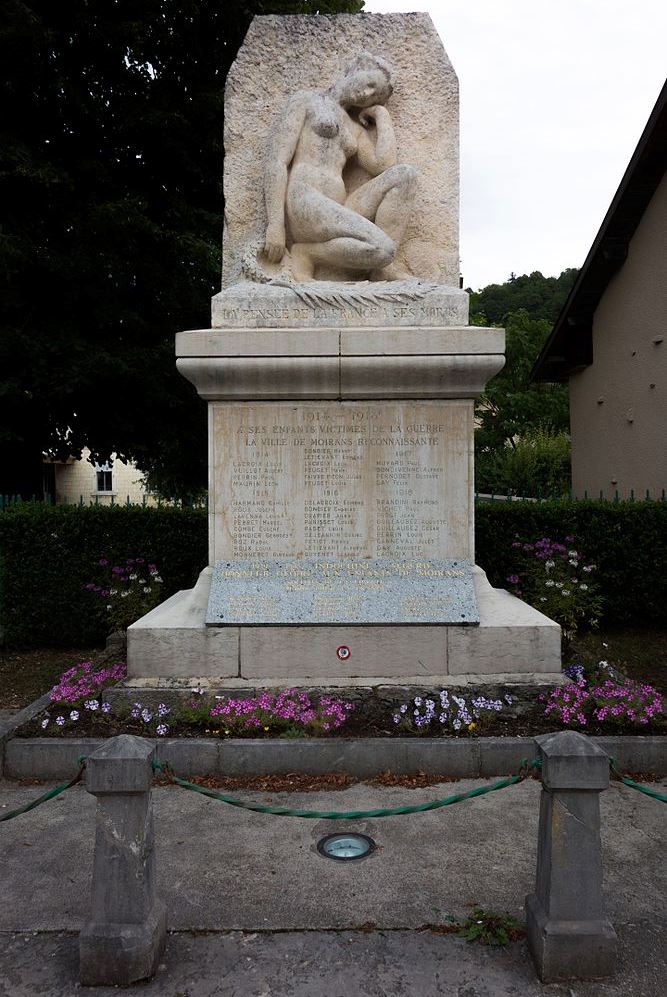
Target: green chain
x: 635, y: 785
x: 49, y: 795
x: 417, y: 808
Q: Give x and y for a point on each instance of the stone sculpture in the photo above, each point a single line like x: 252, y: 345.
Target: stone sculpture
x: 340, y: 374
x: 330, y: 230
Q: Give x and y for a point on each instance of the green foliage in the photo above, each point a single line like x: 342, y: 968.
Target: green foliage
x: 537, y: 465
x: 46, y: 554
x: 627, y: 541
x: 512, y: 410
x: 490, y: 927
x: 512, y: 406
x: 127, y: 591
x: 46, y: 559
x: 111, y: 184
x: 541, y: 297
x: 556, y: 578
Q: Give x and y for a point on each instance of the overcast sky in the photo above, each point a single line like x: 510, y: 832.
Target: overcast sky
x: 554, y: 97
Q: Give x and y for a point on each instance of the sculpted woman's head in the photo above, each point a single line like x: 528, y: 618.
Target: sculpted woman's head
x: 366, y: 80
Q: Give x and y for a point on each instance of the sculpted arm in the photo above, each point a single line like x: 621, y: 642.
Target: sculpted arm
x: 281, y: 147
x: 379, y: 156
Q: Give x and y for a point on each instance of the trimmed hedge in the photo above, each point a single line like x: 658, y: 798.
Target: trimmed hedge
x: 627, y: 541
x: 47, y: 554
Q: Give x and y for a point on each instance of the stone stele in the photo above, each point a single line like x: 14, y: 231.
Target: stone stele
x: 340, y: 375
x: 343, y: 130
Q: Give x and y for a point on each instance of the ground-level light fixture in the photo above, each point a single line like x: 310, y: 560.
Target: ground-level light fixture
x: 345, y: 846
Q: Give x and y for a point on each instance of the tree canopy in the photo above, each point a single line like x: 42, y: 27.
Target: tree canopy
x: 111, y: 181
x: 541, y: 297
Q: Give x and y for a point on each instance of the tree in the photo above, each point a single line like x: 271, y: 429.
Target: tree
x: 542, y: 297
x: 512, y: 407
x: 111, y: 178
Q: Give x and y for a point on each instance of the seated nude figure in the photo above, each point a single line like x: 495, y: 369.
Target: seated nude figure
x: 318, y: 133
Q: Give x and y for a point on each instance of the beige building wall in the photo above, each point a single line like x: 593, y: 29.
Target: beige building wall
x: 78, y: 478
x: 618, y: 405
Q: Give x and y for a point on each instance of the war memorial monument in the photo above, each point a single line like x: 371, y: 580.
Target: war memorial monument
x: 340, y: 375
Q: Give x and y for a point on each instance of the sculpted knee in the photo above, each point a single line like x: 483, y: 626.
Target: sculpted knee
x: 384, y: 251
x: 405, y: 174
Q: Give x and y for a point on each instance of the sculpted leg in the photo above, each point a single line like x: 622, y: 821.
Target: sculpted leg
x: 388, y: 200
x: 330, y: 233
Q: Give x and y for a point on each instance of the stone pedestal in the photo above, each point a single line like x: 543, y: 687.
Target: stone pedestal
x: 124, y: 938
x: 568, y: 934
x: 333, y: 444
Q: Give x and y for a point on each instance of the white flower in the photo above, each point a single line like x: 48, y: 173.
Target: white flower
x: 142, y: 581
x: 566, y: 592
x: 572, y: 553
x: 573, y: 562
x: 91, y: 704
x: 558, y: 585
x: 60, y: 721
x: 106, y: 707
x: 113, y: 591
x: 133, y: 578
x: 109, y: 606
x: 74, y: 715
x: 124, y: 595
x: 549, y: 564
x: 156, y: 578
x: 146, y: 716
x: 161, y: 729
x: 45, y: 723
x: 147, y: 589
x: 543, y: 598
x: 584, y: 588
x: 550, y: 583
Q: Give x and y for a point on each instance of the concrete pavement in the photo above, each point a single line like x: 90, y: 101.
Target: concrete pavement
x: 280, y: 919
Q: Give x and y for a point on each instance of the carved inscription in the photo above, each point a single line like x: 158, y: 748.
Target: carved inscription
x: 318, y: 591
x: 411, y: 313
x: 375, y: 479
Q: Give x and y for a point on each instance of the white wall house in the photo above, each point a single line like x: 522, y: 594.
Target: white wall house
x: 111, y: 483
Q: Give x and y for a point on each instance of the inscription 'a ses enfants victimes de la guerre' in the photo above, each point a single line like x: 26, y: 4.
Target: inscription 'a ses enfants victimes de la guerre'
x: 332, y: 479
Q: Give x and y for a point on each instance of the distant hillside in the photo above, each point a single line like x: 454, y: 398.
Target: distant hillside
x: 542, y: 297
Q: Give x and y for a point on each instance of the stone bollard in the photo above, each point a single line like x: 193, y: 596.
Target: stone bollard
x: 568, y: 935
x: 127, y: 931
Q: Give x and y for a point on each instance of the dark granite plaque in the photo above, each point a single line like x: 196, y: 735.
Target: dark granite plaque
x: 318, y: 591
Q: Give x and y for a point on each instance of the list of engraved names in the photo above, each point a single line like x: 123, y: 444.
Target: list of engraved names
x: 336, y: 479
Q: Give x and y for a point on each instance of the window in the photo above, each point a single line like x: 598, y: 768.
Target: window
x: 104, y: 477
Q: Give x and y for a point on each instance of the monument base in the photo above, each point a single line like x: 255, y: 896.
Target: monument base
x: 512, y: 639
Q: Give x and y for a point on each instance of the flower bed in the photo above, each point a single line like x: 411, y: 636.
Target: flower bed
x: 598, y: 700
